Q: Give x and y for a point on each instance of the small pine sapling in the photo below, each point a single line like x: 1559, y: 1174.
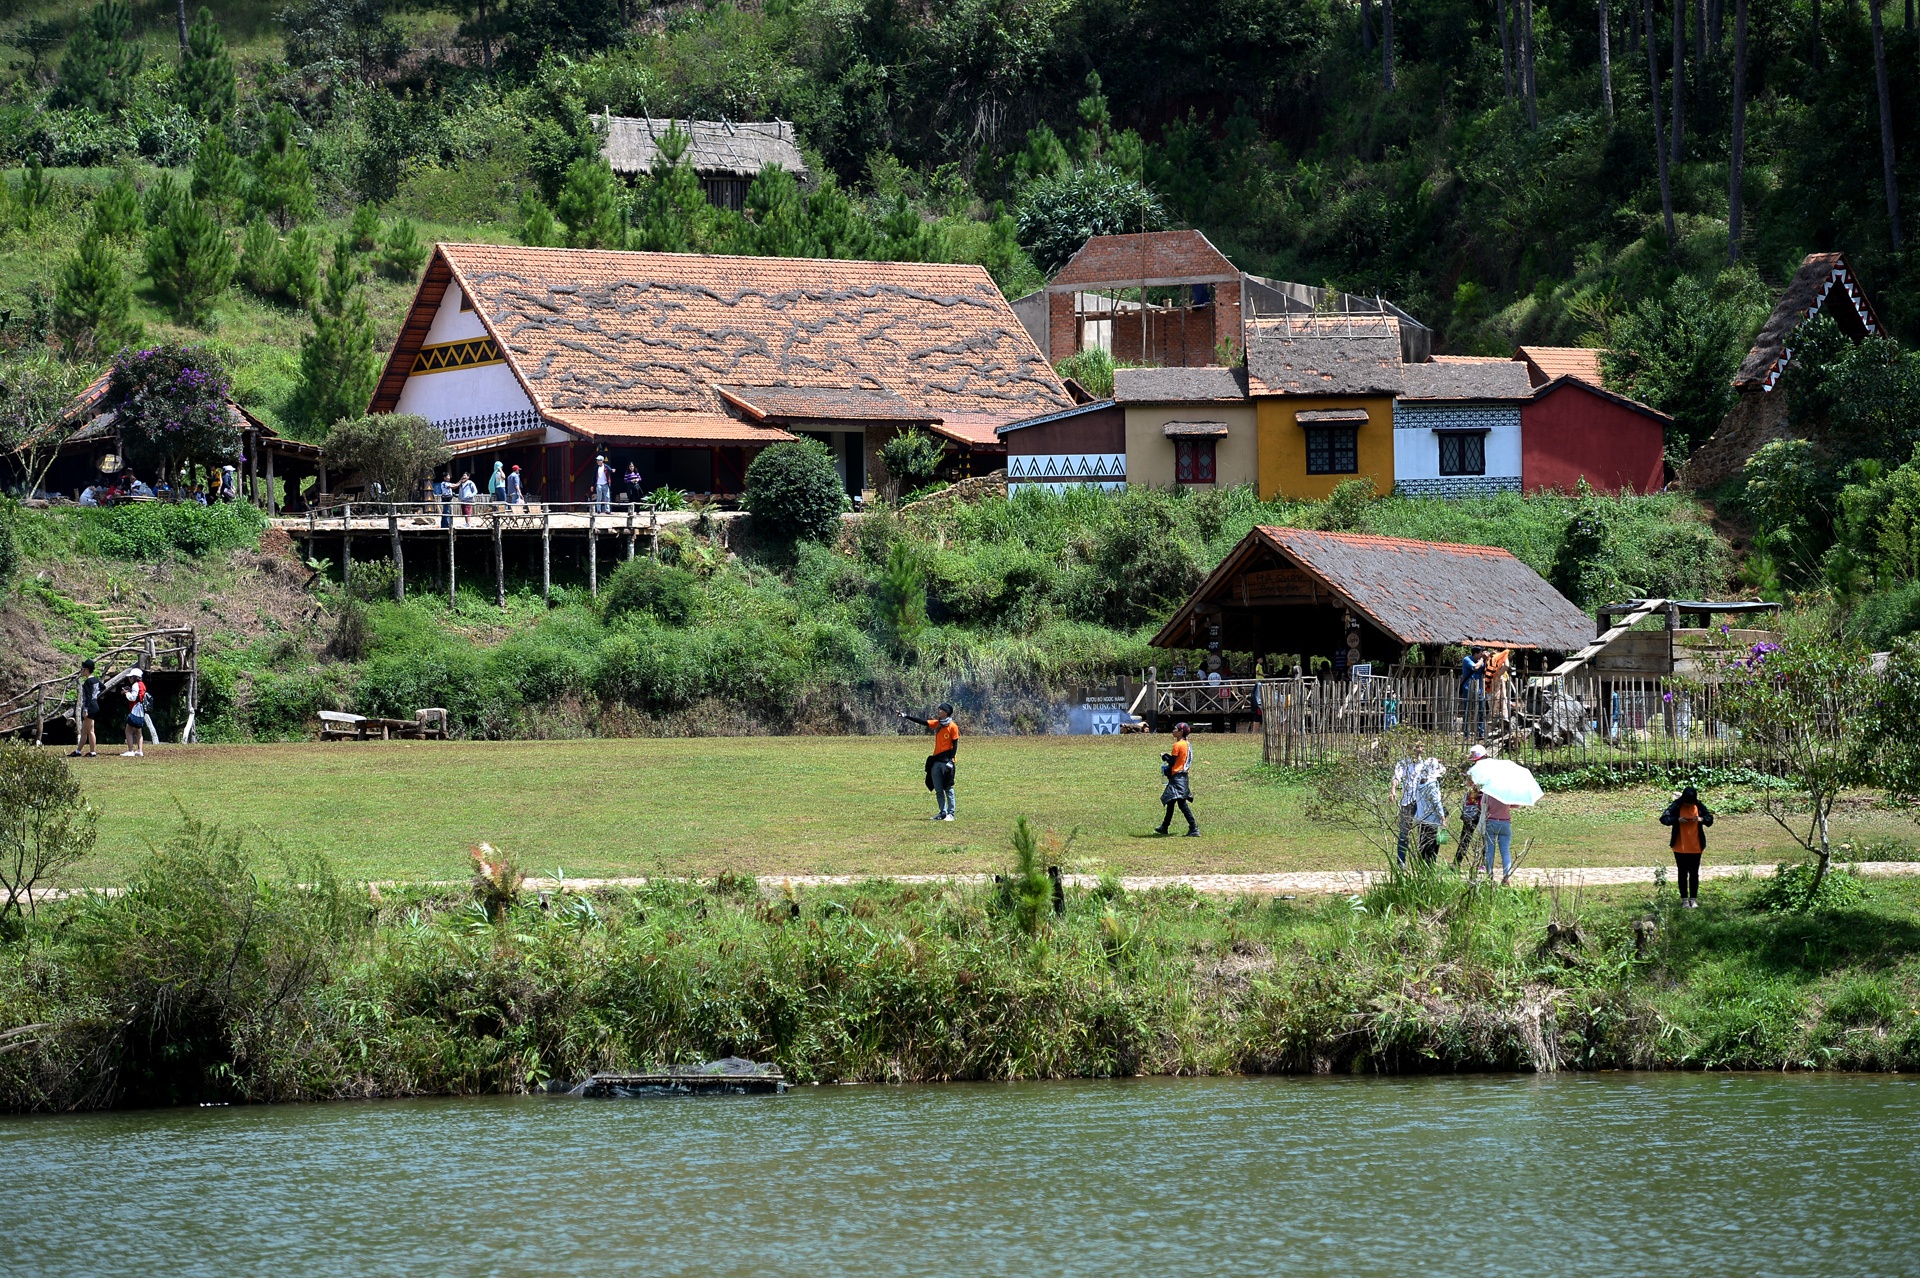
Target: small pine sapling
x: 92, y: 302
x: 217, y: 172
x: 116, y: 210
x: 401, y: 253
x: 537, y: 227
x: 190, y: 261
x: 300, y: 266
x: 261, y: 269
x: 363, y: 233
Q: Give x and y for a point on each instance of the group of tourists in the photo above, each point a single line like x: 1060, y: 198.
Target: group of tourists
x: 504, y: 488
x: 1416, y: 788
x: 133, y: 689
x: 1484, y: 684
x: 223, y: 486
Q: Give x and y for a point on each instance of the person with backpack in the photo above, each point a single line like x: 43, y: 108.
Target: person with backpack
x: 1177, y: 767
x: 90, y: 690
x: 1689, y: 818
x: 138, y: 706
x: 940, y: 764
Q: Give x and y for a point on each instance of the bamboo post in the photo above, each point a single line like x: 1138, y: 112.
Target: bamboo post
x: 653, y: 534
x: 273, y: 500
x: 546, y: 555
x: 630, y: 532
x: 346, y: 548
x: 399, y: 559
x: 593, y: 553
x: 499, y: 563
x: 40, y: 719
x: 313, y: 531
x: 453, y: 599
x: 1153, y: 699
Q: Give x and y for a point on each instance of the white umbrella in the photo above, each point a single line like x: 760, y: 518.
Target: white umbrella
x: 1506, y: 781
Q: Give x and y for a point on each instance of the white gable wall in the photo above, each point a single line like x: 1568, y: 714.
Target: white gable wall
x: 457, y: 393
x: 1416, y: 448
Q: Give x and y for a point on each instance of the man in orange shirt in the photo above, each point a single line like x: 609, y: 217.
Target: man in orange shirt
x: 940, y: 764
x: 1179, y: 788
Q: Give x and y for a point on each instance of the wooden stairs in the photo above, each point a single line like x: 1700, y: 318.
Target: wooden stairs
x: 1641, y: 611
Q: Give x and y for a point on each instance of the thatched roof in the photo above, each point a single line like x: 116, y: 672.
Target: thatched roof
x: 1823, y: 282
x: 717, y: 147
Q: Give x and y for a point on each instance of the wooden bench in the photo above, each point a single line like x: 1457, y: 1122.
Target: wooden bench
x: 426, y: 725
x: 336, y: 725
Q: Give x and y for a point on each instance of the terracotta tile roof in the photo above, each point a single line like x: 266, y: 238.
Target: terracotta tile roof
x: 1157, y: 257
x: 691, y: 429
x: 810, y: 403
x: 1420, y: 592
x: 1824, y: 281
x: 982, y: 434
x: 653, y: 333
x: 1544, y: 363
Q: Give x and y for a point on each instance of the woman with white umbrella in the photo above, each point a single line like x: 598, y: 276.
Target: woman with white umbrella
x: 1504, y: 786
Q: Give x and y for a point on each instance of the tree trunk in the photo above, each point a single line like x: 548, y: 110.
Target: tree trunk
x: 1737, y: 155
x: 1659, y: 132
x: 1822, y: 806
x: 1606, y: 61
x: 486, y: 38
x: 1886, y: 125
x: 1679, y: 134
x: 1717, y: 23
x: 1526, y: 35
x: 1699, y: 37
x: 1366, y: 25
x: 1506, y: 48
x: 180, y: 17
x: 1817, y: 60
x: 1386, y: 52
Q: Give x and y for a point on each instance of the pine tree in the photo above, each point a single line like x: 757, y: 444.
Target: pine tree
x: 300, y: 266
x: 675, y: 215
x: 32, y: 193
x: 261, y: 269
x: 160, y: 199
x: 217, y: 173
x: 401, y: 252
x: 101, y: 63
x: 537, y: 227
x: 338, y: 367
x: 204, y: 86
x: 92, y: 303
x: 190, y: 260
x: 364, y: 230
x: 116, y: 210
x: 589, y: 205
x: 280, y: 184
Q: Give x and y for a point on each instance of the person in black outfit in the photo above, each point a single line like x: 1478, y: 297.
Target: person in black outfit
x: 1689, y: 818
x: 90, y: 690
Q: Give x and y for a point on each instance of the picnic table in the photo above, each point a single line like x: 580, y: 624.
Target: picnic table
x: 428, y: 724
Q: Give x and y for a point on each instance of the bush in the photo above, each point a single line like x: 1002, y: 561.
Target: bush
x: 1790, y: 890
x: 912, y: 457
x: 171, y: 403
x: 395, y: 450
x: 9, y: 545
x: 1140, y: 564
x: 643, y: 586
x: 794, y: 492
x: 149, y: 531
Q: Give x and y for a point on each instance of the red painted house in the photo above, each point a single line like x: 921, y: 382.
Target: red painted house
x: 1572, y: 430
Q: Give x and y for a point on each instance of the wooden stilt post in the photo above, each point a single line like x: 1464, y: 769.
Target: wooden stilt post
x: 593, y: 554
x: 312, y: 531
x: 630, y: 532
x: 499, y: 562
x: 253, y: 468
x: 399, y: 559
x: 193, y: 692
x: 1153, y: 699
x: 346, y: 548
x: 546, y: 555
x: 452, y: 597
x: 653, y: 534
x: 273, y: 500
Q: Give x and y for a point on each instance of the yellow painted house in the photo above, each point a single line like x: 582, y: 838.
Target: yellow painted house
x: 1323, y: 393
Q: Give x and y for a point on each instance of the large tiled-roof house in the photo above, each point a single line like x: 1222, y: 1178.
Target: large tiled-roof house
x: 687, y: 365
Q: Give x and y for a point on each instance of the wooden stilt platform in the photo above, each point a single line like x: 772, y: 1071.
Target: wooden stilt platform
x: 675, y: 1083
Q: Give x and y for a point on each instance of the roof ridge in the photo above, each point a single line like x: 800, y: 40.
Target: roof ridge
x: 1377, y: 539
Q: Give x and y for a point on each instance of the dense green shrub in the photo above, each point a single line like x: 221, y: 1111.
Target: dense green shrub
x: 668, y: 593
x: 157, y: 530
x: 794, y: 492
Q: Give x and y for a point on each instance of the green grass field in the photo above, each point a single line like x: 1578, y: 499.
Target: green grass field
x: 409, y: 810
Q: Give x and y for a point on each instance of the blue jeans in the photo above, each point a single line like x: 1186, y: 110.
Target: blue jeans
x: 1473, y: 709
x: 1500, y: 835
x: 945, y: 796
x: 602, y: 499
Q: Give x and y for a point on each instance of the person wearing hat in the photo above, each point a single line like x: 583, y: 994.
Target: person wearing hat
x: 516, y: 495
x: 940, y: 764
x: 1177, y: 767
x: 602, y: 486
x: 1496, y: 823
x: 1473, y: 692
x: 138, y: 703
x: 90, y: 690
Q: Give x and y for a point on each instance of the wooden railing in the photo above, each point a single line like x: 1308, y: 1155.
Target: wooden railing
x: 27, y: 713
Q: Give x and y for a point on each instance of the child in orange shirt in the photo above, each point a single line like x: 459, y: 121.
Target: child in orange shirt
x: 1178, y: 770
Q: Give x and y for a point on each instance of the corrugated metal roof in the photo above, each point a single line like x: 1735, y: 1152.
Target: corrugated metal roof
x: 715, y: 146
x: 1419, y: 592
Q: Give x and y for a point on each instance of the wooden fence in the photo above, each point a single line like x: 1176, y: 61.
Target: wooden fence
x: 1582, y: 718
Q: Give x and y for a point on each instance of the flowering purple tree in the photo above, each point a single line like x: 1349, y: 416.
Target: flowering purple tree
x: 172, y: 406
x: 1803, y: 708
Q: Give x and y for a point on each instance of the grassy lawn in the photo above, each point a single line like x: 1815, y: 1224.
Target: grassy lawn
x: 800, y: 805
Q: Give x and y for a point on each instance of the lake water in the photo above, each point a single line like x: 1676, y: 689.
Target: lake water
x: 1615, y: 1174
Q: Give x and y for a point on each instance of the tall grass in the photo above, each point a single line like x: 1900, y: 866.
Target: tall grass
x: 124, y: 1001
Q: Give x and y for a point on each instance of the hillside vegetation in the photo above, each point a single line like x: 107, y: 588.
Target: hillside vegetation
x: 1005, y: 607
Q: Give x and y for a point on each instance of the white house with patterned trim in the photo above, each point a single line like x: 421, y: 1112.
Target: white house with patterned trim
x: 1456, y: 427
